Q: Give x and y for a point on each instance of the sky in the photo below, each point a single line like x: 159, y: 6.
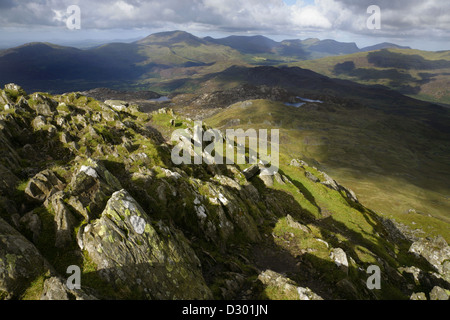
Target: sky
x: 421, y: 24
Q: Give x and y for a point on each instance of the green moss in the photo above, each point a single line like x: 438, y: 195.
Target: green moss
x: 13, y: 95
x: 3, y: 295
x: 278, y: 293
x: 90, y: 278
x: 63, y: 108
x: 34, y: 291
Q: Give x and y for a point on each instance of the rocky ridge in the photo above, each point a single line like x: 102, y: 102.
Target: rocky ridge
x: 85, y: 184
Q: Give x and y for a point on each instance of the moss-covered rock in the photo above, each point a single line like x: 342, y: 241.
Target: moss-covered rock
x: 55, y: 288
x: 153, y: 261
x: 181, y: 231
x: 280, y: 288
x: 90, y: 187
x: 42, y: 185
x: 20, y: 262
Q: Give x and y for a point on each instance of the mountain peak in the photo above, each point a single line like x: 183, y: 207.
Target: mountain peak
x: 171, y: 37
x: 384, y: 45
x: 247, y: 44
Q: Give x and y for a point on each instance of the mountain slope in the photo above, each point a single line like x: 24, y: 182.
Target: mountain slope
x: 301, y: 81
x: 247, y: 44
x: 169, y: 56
x: 384, y: 45
x: 109, y: 200
x: 401, y: 143
x: 420, y: 74
x: 40, y: 66
x: 171, y: 38
x: 332, y: 47
x: 397, y: 165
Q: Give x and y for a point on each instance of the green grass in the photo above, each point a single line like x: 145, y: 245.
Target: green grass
x: 419, y: 74
x: 365, y: 150
x: 34, y: 291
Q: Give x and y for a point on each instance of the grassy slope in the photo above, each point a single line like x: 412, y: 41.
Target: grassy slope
x: 331, y: 217
x: 431, y: 84
x: 391, y: 170
x: 326, y: 212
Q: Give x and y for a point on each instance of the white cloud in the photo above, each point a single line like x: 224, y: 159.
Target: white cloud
x: 309, y: 17
x: 408, y: 18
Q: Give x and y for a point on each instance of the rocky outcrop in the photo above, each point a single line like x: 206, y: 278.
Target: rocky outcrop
x: 143, y: 256
x: 437, y: 252
x: 91, y: 185
x: 220, y: 99
x: 439, y: 293
x: 340, y: 258
x: 8, y: 180
x: 83, y: 184
x: 296, y: 225
x: 418, y: 296
x: 42, y: 185
x: 64, y: 220
x: 324, y: 179
x: 56, y: 288
x: 20, y: 262
x: 251, y: 171
x: 286, y: 287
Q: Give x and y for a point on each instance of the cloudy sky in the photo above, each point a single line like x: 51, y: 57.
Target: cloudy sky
x: 422, y: 24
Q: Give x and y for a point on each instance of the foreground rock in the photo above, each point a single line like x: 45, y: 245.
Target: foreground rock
x: 437, y: 252
x: 286, y: 287
x: 91, y: 184
x: 42, y: 185
x: 55, y: 288
x: 20, y: 262
x: 142, y: 256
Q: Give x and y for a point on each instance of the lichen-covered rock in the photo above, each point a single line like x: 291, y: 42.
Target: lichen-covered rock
x: 14, y: 89
x: 296, y: 225
x: 329, y: 182
x: 117, y: 105
x: 39, y: 122
x: 8, y: 181
x: 298, y: 163
x: 44, y: 110
x: 267, y: 179
x: 4, y: 99
x: 279, y: 178
x: 65, y: 137
x: 350, y: 194
x: 42, y: 185
x: 7, y: 206
x: 438, y: 293
x: 436, y: 251
x: 412, y: 272
x: 43, y: 105
x: 286, y: 287
x: 340, y: 258
x: 236, y: 212
x: 91, y: 186
x: 157, y: 263
x: 418, y: 296
x: 311, y: 177
x: 64, y: 220
x: 325, y: 179
x: 55, y: 288
x: 20, y: 262
x: 251, y: 171
x: 32, y: 223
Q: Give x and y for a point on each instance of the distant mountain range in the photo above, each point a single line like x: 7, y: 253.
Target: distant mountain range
x: 161, y: 56
x: 309, y: 48
x: 208, y: 231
